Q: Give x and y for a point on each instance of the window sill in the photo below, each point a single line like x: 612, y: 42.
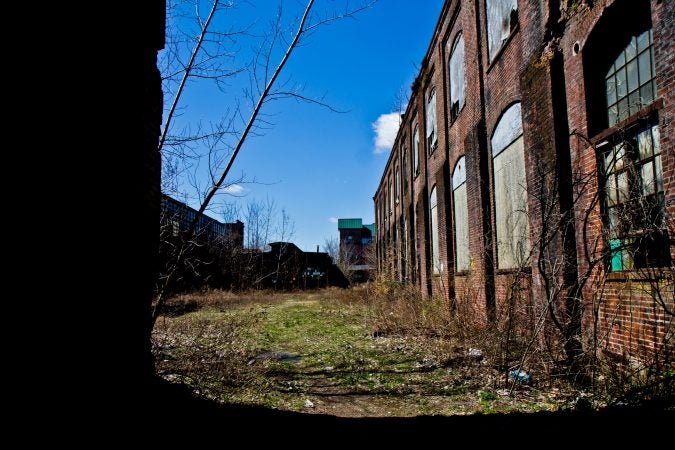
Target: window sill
x: 647, y: 274
x: 502, y: 49
x: 463, y: 273
x: 522, y: 270
x: 629, y: 122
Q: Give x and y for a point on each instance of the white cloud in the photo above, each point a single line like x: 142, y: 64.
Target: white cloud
x: 234, y: 189
x: 386, y: 127
x: 332, y: 219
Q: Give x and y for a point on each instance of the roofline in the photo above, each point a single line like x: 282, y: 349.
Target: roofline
x: 413, y: 95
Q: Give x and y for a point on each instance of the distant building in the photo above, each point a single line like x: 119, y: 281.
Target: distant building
x: 287, y: 267
x: 209, y: 254
x: 356, y: 240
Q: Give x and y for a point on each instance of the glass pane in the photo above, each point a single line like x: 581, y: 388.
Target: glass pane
x: 613, y: 219
x: 609, y: 162
x: 622, y: 181
x: 621, y: 83
x: 620, y: 156
x: 615, y: 245
x: 626, y: 255
x: 643, y: 41
x: 623, y: 109
x: 646, y: 94
x: 632, y: 70
x: 631, y: 50
x: 610, y: 72
x: 645, y: 144
x: 645, y: 67
x: 656, y: 135
x: 610, y: 189
x: 611, y: 91
x: 659, y: 174
x: 647, y: 173
x: 634, y: 102
x: 620, y: 61
x: 613, y: 115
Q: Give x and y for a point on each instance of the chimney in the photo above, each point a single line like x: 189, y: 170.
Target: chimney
x: 317, y: 248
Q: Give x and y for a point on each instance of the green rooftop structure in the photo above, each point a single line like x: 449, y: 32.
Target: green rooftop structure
x: 355, y: 241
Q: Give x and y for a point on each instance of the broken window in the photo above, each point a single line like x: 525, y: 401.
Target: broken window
x: 431, y: 121
x: 457, y: 77
x: 632, y: 175
x: 461, y: 212
x: 631, y: 79
x: 433, y: 207
x: 634, y: 202
x: 502, y: 18
x: 416, y: 150
x: 508, y: 163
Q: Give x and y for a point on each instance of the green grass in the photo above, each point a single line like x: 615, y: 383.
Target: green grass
x: 342, y: 369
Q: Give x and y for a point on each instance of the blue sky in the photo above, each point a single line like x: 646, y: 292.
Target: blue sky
x: 316, y: 164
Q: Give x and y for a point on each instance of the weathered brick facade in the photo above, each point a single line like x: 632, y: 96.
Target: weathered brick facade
x: 549, y: 62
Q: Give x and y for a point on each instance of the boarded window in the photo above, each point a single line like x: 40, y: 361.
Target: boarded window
x: 433, y: 207
x: 461, y: 213
x: 405, y: 169
x: 431, y: 121
x: 416, y: 150
x: 513, y: 233
x: 502, y: 17
x: 457, y: 77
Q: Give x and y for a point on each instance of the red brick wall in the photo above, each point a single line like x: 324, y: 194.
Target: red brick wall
x: 547, y: 76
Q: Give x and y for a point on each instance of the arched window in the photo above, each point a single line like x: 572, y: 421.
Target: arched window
x: 416, y: 150
x: 404, y: 168
x: 461, y: 216
x: 457, y: 77
x: 502, y: 18
x: 630, y: 160
x: 398, y: 184
x: 431, y: 121
x: 631, y: 79
x: 433, y: 209
x: 508, y: 163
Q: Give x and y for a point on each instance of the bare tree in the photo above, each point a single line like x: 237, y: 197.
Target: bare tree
x: 208, y: 59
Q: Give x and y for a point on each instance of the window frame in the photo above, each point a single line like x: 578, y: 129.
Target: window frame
x: 462, y: 97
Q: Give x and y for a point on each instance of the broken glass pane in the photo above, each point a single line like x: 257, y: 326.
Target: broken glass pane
x: 646, y: 94
x: 634, y: 102
x: 631, y: 68
x: 656, y: 135
x: 611, y: 91
x: 622, y: 180
x: 610, y: 189
x: 659, y: 174
x: 621, y: 83
x: 457, y: 74
x: 623, y: 109
x: 645, y: 144
x: 647, y: 173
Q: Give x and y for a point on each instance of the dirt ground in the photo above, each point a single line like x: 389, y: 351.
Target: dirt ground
x: 316, y: 354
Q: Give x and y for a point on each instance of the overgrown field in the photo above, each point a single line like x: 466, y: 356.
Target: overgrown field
x: 334, y: 352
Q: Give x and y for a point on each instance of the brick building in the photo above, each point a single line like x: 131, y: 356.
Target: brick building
x: 534, y: 164
x: 356, y: 242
